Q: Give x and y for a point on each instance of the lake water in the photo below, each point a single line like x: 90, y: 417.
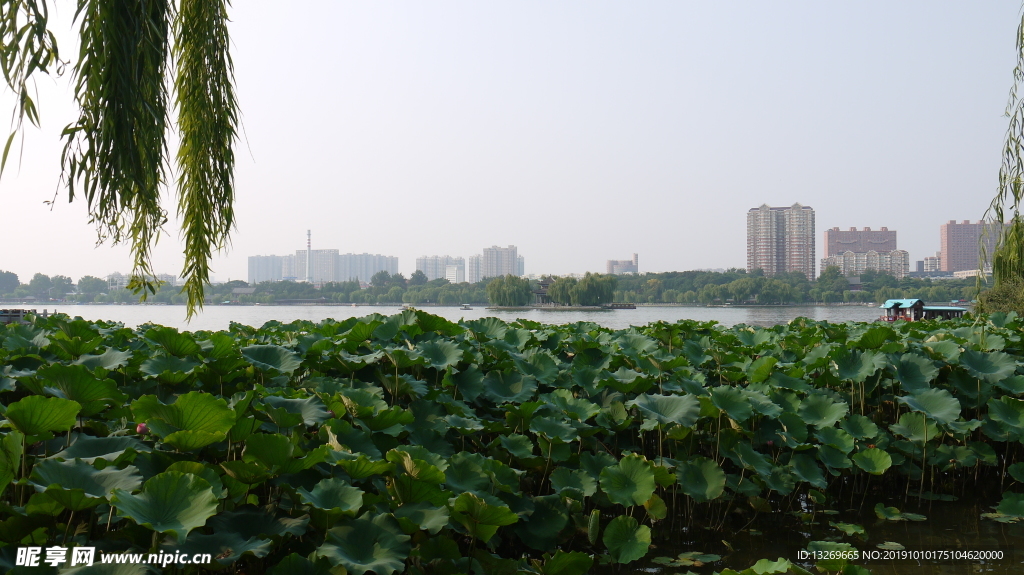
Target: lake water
x: 219, y: 317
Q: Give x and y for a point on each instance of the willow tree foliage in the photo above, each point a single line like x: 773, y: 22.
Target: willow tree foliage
x: 144, y: 68
x: 509, y: 291
x: 1008, y: 257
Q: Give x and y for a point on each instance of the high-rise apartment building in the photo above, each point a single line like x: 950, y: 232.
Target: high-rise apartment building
x: 290, y: 270
x: 327, y: 266
x: 855, y: 251
x: 624, y: 266
x: 838, y: 242
x: 850, y: 263
x: 498, y: 262
x: 322, y: 266
x: 781, y: 240
x: 473, y: 268
x: 455, y: 273
x: 264, y: 269
x: 361, y: 267
x: 961, y: 244
x: 435, y: 267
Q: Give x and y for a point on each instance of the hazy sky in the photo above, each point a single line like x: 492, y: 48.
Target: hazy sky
x: 578, y: 131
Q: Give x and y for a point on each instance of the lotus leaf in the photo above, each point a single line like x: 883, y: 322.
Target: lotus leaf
x: 193, y: 421
x: 837, y: 438
x: 538, y: 364
x: 594, y: 463
x: 424, y: 516
x: 1012, y: 505
x: 913, y: 427
x: 874, y: 337
x: 783, y: 381
x: 418, y: 469
x: 248, y: 521
x: 821, y: 411
x: 38, y: 416
x: 109, y: 360
x: 540, y: 530
x: 750, y: 458
x: 200, y: 470
x: 915, y: 373
x: 169, y: 368
x: 465, y: 473
x: 11, y: 450
x: 173, y: 342
x: 626, y: 539
x: 762, y: 404
x: 873, y: 460
x: 894, y: 514
x: 860, y: 427
x: 635, y: 345
x: 488, y: 328
x: 334, y: 497
x: 1016, y: 471
x: 858, y: 365
x: 1008, y: 411
x: 78, y: 485
x: 761, y: 368
x: 480, y: 518
x: 552, y: 428
x: 833, y: 458
x: 991, y: 367
x: 568, y: 479
x: 362, y: 467
x: 248, y: 472
x: 365, y: 544
x: 938, y: 404
x: 225, y: 546
x: 89, y: 449
x: 441, y: 354
x: 630, y: 482
x: 518, y: 445
x: 948, y: 351
x: 571, y: 563
x: 271, y: 358
x: 668, y: 409
x: 806, y: 468
x: 77, y: 383
x: 732, y: 401
x: 341, y: 435
x: 510, y: 387
x: 311, y: 409
x: 171, y: 502
x: 575, y: 407
x: 1014, y: 384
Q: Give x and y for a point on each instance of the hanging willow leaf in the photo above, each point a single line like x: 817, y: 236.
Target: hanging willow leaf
x: 115, y: 154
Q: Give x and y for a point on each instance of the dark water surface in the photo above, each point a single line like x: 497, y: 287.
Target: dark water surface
x: 949, y: 525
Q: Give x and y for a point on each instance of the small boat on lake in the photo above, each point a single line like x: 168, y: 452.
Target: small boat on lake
x: 466, y: 306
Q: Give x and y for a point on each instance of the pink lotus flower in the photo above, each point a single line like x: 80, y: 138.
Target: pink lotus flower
x: 142, y: 429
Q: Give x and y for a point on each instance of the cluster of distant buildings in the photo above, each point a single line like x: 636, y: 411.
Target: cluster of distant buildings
x: 329, y: 265
x: 782, y: 239
x: 492, y: 262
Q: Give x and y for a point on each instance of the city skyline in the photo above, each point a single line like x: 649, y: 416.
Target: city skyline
x: 607, y: 134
